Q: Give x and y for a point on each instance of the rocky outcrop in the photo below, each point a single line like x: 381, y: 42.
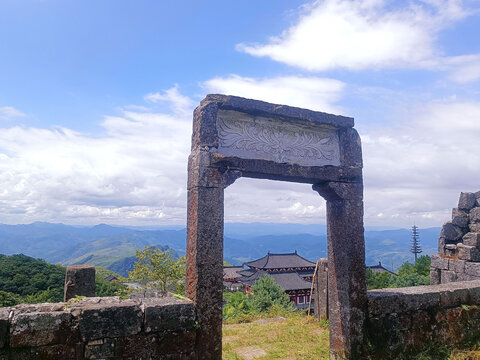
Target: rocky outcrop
x: 458, y: 256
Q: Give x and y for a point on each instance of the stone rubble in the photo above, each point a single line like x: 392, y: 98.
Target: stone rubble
x: 458, y: 256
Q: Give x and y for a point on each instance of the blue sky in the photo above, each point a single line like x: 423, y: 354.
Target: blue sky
x: 96, y: 101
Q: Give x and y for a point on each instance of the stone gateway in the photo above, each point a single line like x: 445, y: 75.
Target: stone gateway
x: 235, y: 137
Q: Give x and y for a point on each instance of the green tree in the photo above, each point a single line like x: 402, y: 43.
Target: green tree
x: 408, y: 275
x: 237, y: 305
x: 157, y: 269
x: 379, y: 280
x: 9, y: 299
x: 49, y: 295
x: 106, y: 288
x: 414, y: 274
x: 267, y: 293
x: 422, y: 265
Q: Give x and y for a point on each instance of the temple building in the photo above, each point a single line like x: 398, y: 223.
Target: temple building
x: 231, y: 276
x: 380, y: 269
x: 291, y: 271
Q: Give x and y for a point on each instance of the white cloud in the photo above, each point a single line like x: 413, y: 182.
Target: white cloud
x: 253, y: 200
x: 308, y: 92
x: 415, y: 171
x: 364, y: 34
x: 182, y: 104
x: 463, y: 69
x: 9, y: 112
x: 134, y: 172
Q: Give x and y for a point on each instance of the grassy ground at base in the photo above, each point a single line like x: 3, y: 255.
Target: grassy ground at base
x: 297, y: 337
x: 466, y: 354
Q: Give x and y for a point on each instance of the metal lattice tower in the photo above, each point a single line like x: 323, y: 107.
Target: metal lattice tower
x: 416, y: 248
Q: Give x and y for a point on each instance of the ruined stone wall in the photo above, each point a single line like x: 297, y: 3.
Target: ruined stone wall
x: 409, y: 320
x: 458, y: 256
x: 100, y: 328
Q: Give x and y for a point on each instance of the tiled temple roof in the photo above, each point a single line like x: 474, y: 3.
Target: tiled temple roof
x: 232, y: 272
x: 280, y: 261
x: 379, y: 269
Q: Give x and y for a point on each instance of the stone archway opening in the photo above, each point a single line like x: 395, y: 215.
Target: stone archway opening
x: 235, y: 137
x: 284, y: 232
x: 273, y: 202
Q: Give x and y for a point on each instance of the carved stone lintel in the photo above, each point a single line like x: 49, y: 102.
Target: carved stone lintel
x: 258, y: 137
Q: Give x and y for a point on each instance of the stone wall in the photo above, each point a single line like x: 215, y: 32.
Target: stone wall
x: 458, y: 256
x: 409, y: 320
x: 100, y: 328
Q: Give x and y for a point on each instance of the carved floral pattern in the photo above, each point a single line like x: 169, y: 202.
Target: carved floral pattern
x: 285, y: 143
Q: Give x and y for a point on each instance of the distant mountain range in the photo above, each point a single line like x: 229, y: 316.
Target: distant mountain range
x: 114, y: 246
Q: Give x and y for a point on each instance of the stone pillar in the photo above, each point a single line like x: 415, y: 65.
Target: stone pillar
x: 321, y: 286
x: 79, y: 281
x: 347, y: 290
x: 204, y: 281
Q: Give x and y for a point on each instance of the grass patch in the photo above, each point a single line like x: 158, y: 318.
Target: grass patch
x: 293, y: 335
x: 296, y: 337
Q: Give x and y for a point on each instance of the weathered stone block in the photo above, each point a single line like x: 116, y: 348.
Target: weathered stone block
x: 168, y: 314
x: 140, y: 346
x: 39, y: 308
x: 471, y: 239
x: 37, y: 329
x: 456, y: 265
x: 469, y: 253
x: 4, y: 314
x: 100, y: 349
x: 79, y: 280
x: 473, y: 269
x: 451, y: 232
x: 467, y: 201
x: 441, y: 246
x: 439, y: 262
x: 450, y: 252
x: 419, y: 333
x: 459, y: 217
x: 57, y: 352
x: 99, y: 321
x: 434, y: 276
x: 477, y: 195
x: 448, y: 276
x: 470, y: 277
x: 451, y: 248
x: 385, y: 301
x: 475, y: 215
x: 156, y: 345
x: 474, y: 287
x: 474, y: 227
x: 454, y: 296
x: 177, y: 342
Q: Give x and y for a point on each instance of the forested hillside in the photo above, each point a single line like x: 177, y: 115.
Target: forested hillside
x: 24, y: 279
x: 24, y: 275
